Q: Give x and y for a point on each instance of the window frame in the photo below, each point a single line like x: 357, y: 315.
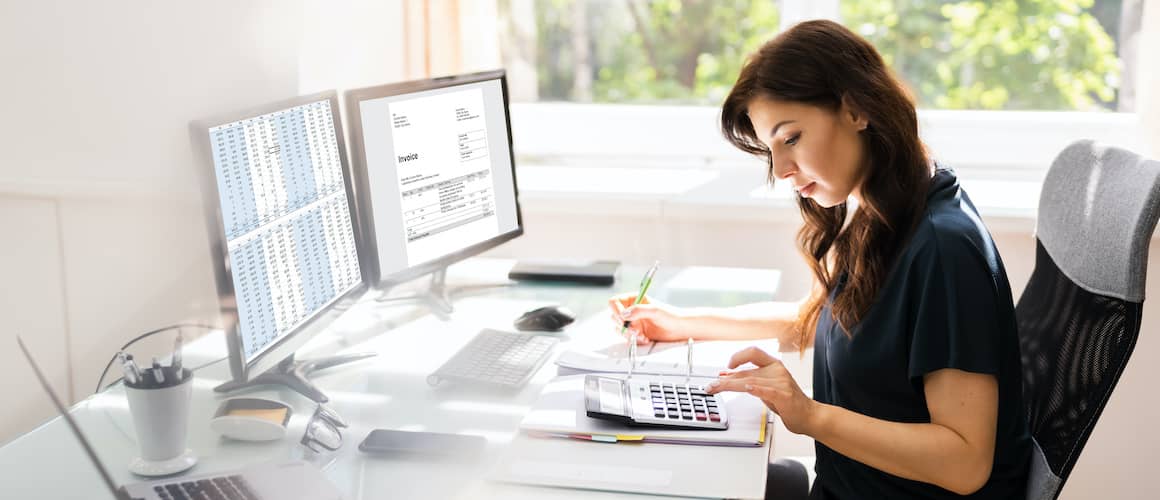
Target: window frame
x: 988, y: 144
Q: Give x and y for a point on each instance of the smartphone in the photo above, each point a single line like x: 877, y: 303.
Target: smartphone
x: 387, y: 441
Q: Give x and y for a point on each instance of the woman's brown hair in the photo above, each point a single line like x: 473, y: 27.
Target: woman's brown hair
x: 821, y: 63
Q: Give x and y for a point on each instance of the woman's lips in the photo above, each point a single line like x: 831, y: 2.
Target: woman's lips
x: 808, y: 189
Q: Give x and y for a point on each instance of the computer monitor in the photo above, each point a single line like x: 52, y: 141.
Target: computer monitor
x: 282, y: 224
x: 434, y: 167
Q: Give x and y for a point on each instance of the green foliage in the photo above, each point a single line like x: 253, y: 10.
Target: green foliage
x: 956, y: 54
x: 1002, y: 54
x: 686, y: 52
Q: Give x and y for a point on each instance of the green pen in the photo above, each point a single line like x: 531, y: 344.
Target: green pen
x: 644, y: 284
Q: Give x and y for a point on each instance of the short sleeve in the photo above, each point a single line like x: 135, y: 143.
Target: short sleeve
x: 955, y: 307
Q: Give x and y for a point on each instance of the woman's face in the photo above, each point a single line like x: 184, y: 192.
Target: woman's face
x: 819, y: 151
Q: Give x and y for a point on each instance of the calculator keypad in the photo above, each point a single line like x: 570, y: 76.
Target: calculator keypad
x: 681, y: 404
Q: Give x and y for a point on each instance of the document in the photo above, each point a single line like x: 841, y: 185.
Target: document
x: 444, y: 172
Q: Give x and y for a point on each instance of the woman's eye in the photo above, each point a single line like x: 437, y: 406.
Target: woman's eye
x: 793, y: 140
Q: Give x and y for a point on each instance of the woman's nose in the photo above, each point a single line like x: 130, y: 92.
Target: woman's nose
x: 782, y: 167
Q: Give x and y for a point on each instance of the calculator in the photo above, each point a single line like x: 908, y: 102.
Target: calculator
x: 645, y: 401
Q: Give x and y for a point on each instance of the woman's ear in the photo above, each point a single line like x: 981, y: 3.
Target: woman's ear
x: 853, y: 115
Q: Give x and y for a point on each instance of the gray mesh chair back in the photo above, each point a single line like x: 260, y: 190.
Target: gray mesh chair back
x: 1079, y: 315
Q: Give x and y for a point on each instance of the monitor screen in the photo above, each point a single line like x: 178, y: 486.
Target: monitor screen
x: 289, y: 236
x: 438, y: 166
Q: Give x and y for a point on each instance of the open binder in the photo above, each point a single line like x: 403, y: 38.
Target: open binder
x: 559, y: 412
x: 658, y: 358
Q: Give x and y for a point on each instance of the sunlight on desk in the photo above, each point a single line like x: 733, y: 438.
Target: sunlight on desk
x: 108, y: 401
x: 480, y: 407
x: 492, y: 436
x: 538, y: 471
x: 363, y: 398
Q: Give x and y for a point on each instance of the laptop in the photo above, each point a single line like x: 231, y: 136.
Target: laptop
x: 278, y: 481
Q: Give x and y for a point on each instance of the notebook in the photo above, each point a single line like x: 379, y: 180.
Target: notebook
x: 560, y: 413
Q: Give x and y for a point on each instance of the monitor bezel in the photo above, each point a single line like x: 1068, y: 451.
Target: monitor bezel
x: 295, y: 337
x: 353, y: 98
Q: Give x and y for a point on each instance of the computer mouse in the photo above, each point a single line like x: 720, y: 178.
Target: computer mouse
x: 545, y: 319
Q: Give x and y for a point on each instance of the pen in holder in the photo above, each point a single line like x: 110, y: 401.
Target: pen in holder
x: 159, y: 402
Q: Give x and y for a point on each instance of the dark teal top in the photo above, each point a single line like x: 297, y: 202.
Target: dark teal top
x: 946, y: 303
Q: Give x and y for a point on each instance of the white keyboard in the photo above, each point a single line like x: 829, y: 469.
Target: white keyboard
x: 496, y: 358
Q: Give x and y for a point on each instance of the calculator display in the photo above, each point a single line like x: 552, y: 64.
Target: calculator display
x: 611, y: 396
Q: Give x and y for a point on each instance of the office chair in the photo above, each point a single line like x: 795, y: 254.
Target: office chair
x: 1079, y: 315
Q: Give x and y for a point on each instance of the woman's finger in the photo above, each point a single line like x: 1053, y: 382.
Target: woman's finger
x: 729, y: 385
x: 751, y: 355
x: 616, y: 305
x: 752, y: 372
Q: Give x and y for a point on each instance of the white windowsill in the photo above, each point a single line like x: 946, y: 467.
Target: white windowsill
x: 734, y: 195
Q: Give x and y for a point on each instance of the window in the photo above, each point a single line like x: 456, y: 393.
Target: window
x: 1002, y: 86
x: 953, y: 54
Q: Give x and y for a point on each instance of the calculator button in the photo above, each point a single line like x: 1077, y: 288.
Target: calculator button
x: 687, y: 416
x: 713, y: 417
x: 659, y: 414
x: 701, y: 416
x: 673, y: 414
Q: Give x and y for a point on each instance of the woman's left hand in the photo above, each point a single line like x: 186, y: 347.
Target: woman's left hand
x: 771, y: 383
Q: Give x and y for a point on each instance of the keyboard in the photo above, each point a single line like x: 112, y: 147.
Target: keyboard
x: 496, y: 358
x: 217, y: 488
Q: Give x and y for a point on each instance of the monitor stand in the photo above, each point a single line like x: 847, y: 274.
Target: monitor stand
x: 437, y: 296
x: 292, y: 373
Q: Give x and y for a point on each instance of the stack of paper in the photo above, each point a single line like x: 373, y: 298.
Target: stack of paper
x: 560, y: 413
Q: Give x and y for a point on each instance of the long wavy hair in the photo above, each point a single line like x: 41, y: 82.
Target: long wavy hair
x: 820, y: 63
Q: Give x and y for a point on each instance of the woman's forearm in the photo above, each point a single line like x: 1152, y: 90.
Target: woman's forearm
x: 926, y: 452
x: 761, y: 320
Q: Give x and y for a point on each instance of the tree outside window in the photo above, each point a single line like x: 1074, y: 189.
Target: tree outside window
x: 953, y: 54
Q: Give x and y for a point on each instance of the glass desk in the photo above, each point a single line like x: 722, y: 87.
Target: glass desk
x: 390, y: 391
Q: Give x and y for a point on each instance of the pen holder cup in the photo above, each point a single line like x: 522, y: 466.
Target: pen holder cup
x: 161, y: 420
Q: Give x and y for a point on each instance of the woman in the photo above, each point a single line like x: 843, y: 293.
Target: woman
x: 917, y: 390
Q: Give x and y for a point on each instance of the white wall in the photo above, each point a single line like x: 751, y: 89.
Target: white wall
x: 100, y: 212
x: 1148, y: 98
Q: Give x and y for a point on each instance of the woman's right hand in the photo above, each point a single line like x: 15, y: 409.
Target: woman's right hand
x: 653, y: 321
